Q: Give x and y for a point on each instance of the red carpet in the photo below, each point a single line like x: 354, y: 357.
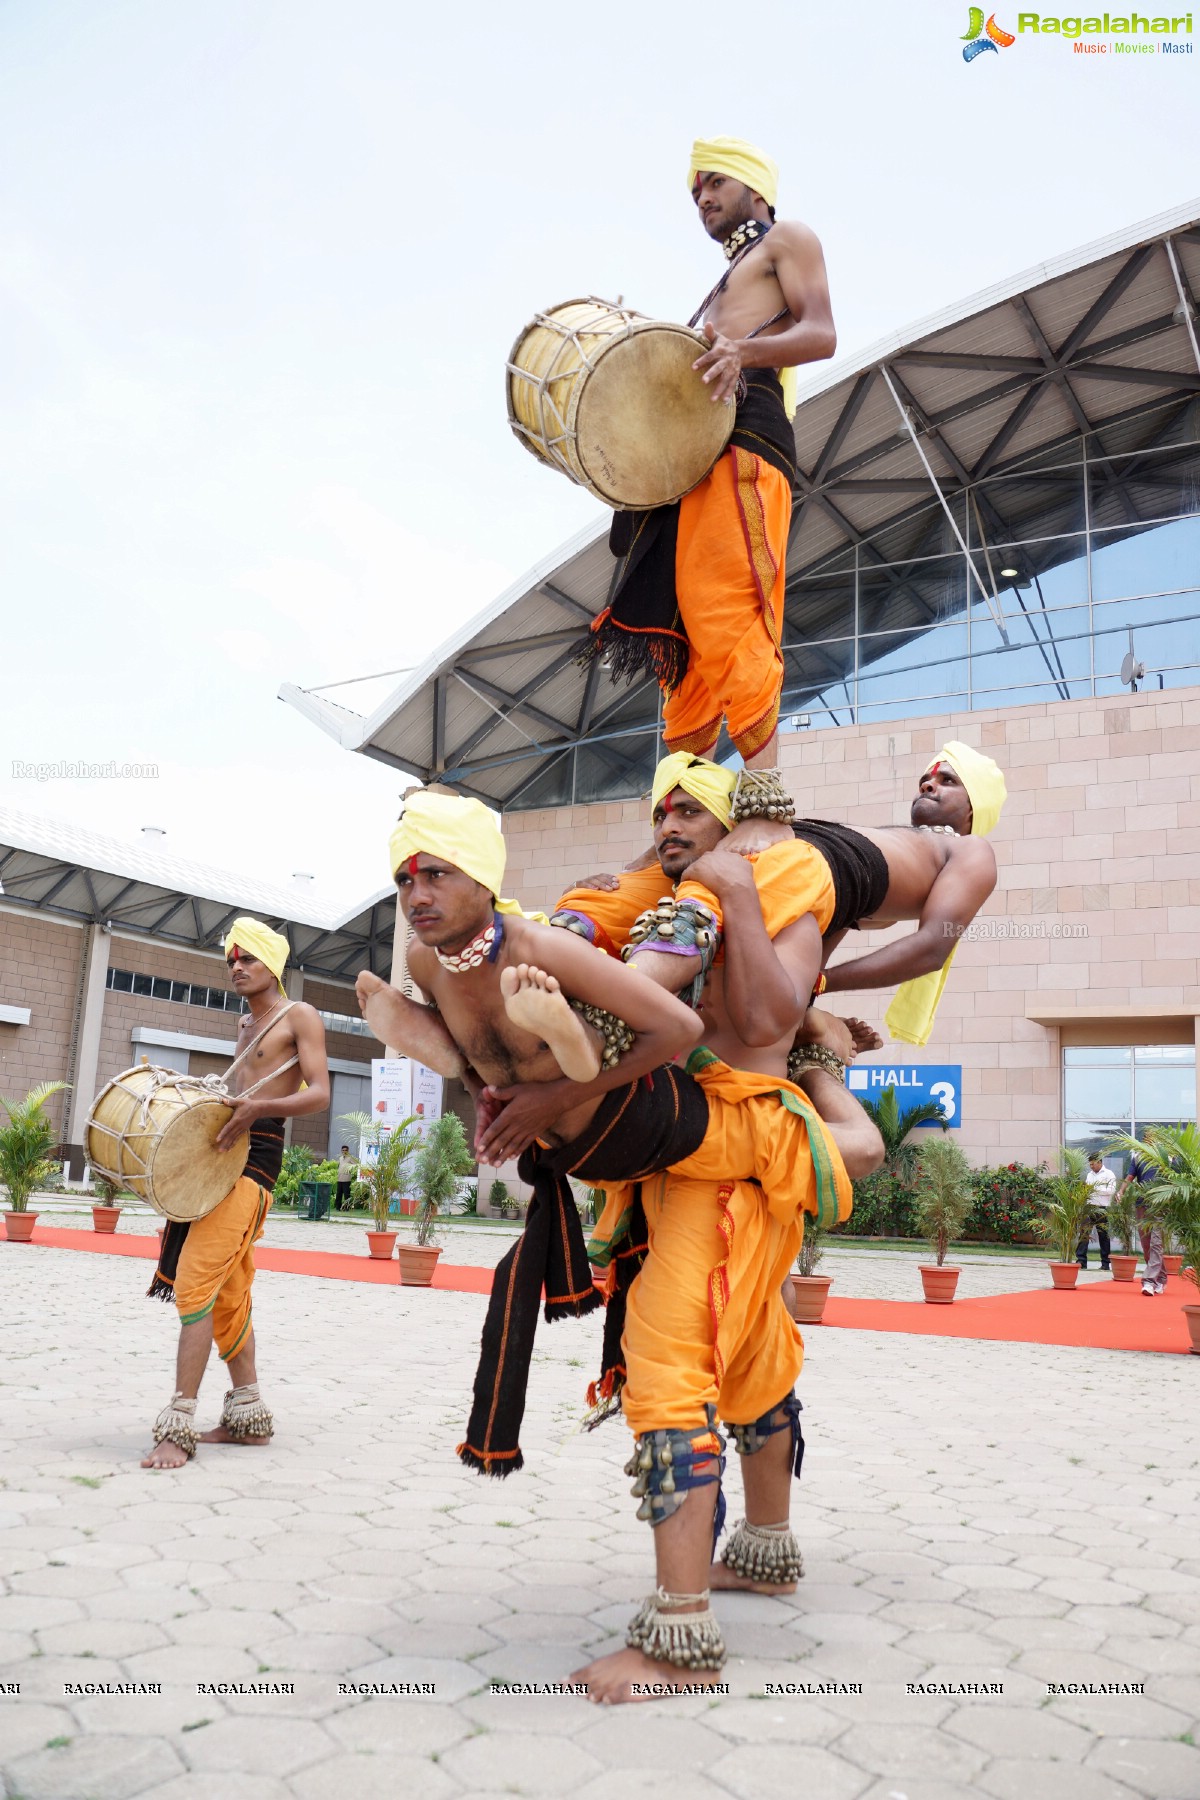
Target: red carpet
x: 1102, y: 1315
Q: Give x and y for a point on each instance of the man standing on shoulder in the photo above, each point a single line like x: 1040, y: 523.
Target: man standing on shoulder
x: 697, y: 596
x: 207, y: 1267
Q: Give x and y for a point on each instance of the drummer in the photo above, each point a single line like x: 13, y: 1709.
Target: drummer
x: 207, y: 1266
x: 699, y: 589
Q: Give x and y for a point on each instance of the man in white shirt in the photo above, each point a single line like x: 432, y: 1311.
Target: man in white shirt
x: 1102, y: 1185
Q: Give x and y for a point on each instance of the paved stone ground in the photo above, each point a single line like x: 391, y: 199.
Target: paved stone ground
x: 970, y: 1512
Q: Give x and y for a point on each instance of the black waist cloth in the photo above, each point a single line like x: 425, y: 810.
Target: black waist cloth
x: 858, y: 866
x: 640, y: 629
x: 638, y: 1129
x: 262, y: 1165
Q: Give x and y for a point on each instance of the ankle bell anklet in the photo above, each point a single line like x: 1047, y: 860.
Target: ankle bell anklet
x: 760, y: 794
x: 687, y: 1640
x: 177, y: 1424
x: 814, y: 1056
x: 244, y: 1415
x: 766, y: 1553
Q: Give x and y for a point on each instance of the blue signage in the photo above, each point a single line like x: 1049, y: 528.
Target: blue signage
x: 915, y: 1083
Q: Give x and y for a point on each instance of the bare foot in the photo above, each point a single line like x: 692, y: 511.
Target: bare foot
x: 865, y: 1036
x: 165, y: 1456
x: 534, y: 1001
x: 629, y: 1676
x: 723, y: 1577
x: 220, y: 1434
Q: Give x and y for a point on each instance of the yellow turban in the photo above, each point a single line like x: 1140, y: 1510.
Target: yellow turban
x: 911, y: 1015
x: 458, y: 831
x: 705, y: 781
x: 259, y: 940
x: 735, y: 157
x: 982, y: 779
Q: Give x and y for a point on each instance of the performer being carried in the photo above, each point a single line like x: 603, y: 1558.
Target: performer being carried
x: 936, y: 870
x: 698, y: 592
x: 207, y: 1266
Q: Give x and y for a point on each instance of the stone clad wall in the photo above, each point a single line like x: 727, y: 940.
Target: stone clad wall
x: 40, y: 970
x: 1099, y: 887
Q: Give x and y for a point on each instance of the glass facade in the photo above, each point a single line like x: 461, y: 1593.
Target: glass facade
x: 1114, y: 1088
x: 1088, y: 548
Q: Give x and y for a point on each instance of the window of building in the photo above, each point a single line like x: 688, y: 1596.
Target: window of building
x: 1116, y: 1088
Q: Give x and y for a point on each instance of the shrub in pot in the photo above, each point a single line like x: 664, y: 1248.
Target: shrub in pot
x: 386, y: 1174
x: 1170, y: 1155
x: 1122, y: 1226
x: 107, y: 1209
x: 25, y: 1162
x: 810, y: 1290
x: 1063, y: 1219
x: 441, y: 1162
x: 944, y: 1199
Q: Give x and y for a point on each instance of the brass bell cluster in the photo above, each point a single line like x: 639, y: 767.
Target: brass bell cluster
x: 618, y: 1038
x: 760, y: 794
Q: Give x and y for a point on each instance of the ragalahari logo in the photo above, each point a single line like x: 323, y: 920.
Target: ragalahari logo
x: 980, y: 37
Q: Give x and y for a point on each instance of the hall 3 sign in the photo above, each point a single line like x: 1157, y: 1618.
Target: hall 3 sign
x: 914, y: 1083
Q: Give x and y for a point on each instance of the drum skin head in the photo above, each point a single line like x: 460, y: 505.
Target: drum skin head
x: 612, y: 400
x: 646, y: 427
x: 168, y: 1157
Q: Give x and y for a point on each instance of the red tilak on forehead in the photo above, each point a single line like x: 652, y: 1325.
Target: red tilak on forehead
x: 412, y: 866
x: 935, y: 768
x: 666, y: 803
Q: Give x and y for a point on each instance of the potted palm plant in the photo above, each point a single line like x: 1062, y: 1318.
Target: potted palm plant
x: 107, y: 1209
x: 385, y: 1174
x: 441, y: 1162
x: 25, y: 1165
x: 1122, y: 1225
x: 810, y: 1291
x: 944, y: 1198
x: 1062, y: 1222
x: 896, y: 1128
x: 1170, y: 1154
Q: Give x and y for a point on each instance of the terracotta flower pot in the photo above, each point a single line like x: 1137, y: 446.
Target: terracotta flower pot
x: 417, y: 1263
x: 104, y: 1218
x: 380, y: 1244
x: 1124, y: 1267
x: 1192, y: 1315
x: 1064, y: 1275
x: 809, y: 1294
x: 1172, y: 1264
x: 19, y: 1226
x: 939, y: 1284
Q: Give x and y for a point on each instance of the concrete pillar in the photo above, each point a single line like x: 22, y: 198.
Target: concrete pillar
x: 96, y: 947
x: 399, y: 975
x: 293, y: 981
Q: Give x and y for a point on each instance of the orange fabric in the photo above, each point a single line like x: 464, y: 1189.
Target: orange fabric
x: 729, y: 581
x: 792, y: 879
x: 613, y: 914
x: 706, y: 1323
x: 216, y: 1265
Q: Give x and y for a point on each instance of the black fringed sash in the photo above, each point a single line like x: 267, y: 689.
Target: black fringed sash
x: 641, y: 629
x: 262, y: 1165
x: 662, y: 1118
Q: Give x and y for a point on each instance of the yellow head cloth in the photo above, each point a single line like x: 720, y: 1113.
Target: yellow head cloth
x: 911, y: 1015
x: 259, y: 940
x: 735, y: 157
x: 458, y: 831
x: 982, y: 779
x: 705, y: 781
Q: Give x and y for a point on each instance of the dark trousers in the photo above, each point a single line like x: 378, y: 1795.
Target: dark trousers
x: 343, y: 1194
x: 1081, y: 1253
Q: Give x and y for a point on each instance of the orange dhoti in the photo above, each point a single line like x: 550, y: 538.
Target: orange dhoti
x: 705, y: 1322
x: 216, y: 1265
x: 730, y: 558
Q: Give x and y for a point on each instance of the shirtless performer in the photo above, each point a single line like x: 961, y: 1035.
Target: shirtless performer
x: 937, y: 870
x: 207, y: 1266
x: 698, y: 593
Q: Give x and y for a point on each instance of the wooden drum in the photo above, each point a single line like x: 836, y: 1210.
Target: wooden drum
x: 154, y: 1132
x: 611, y: 399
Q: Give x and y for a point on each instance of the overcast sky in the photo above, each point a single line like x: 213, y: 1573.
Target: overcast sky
x: 260, y: 267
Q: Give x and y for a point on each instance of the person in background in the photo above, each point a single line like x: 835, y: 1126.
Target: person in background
x: 347, y: 1170
x: 1102, y: 1186
x: 1154, y: 1281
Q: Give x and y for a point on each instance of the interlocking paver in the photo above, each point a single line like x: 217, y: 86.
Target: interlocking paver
x: 945, y: 1542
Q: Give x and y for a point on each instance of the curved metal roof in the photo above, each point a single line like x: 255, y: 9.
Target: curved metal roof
x: 892, y: 448
x: 47, y: 866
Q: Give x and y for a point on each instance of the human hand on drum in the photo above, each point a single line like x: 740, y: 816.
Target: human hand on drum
x: 721, y: 366
x: 244, y: 1114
